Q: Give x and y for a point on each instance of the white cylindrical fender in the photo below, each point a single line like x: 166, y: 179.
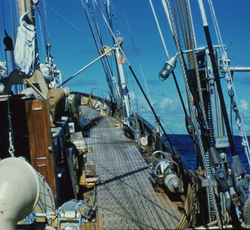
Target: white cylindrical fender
x: 19, y: 191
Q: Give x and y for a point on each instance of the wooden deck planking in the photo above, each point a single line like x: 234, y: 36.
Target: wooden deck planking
x: 166, y: 215
x: 142, y: 181
x: 151, y: 204
x: 142, y: 203
x: 126, y: 198
x: 139, y: 201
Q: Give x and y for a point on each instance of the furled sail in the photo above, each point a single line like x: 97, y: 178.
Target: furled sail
x: 25, y: 54
x: 3, y: 70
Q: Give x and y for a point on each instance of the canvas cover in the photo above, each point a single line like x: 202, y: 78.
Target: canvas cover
x: 25, y: 55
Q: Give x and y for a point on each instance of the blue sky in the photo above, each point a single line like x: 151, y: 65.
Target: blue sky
x: 73, y: 50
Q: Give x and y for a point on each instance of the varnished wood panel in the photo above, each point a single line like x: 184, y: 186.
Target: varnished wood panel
x: 40, y: 139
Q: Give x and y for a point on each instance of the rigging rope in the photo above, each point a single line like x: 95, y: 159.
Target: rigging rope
x: 94, y: 35
x: 136, y: 54
x: 129, y: 66
x: 188, y: 38
x: 3, y: 28
x: 186, y: 43
x: 69, y: 23
x: 192, y: 56
x: 3, y: 15
x: 185, y: 23
x: 187, y: 118
x: 231, y: 89
x: 1, y: 51
x: 184, y: 34
x: 13, y: 24
x: 95, y: 22
x: 191, y: 30
x: 118, y: 45
x: 159, y: 28
x: 190, y: 19
x: 211, y: 186
x: 46, y: 33
x: 108, y: 72
x: 159, y: 119
x: 45, y: 16
x: 209, y: 136
x: 116, y: 24
x: 198, y: 80
x: 43, y: 21
x: 40, y: 26
x: 106, y: 9
x: 216, y: 26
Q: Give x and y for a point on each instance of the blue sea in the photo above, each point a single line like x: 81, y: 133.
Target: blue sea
x: 184, y: 145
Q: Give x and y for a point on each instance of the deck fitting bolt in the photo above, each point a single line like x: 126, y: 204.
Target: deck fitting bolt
x: 50, y: 149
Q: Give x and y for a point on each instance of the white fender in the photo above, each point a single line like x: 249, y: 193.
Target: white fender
x: 19, y: 191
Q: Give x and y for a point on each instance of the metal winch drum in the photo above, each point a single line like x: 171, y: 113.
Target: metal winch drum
x: 173, y: 183
x: 162, y: 169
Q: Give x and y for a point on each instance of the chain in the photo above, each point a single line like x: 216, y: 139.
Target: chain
x: 195, y: 63
x: 177, y: 42
x: 11, y: 141
x: 245, y: 226
x: 11, y: 147
x: 238, y: 118
x: 195, y: 209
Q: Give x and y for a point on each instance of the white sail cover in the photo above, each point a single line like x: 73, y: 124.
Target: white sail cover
x: 25, y: 55
x: 3, y: 70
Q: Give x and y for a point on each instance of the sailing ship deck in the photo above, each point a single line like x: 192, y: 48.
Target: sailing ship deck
x: 126, y: 198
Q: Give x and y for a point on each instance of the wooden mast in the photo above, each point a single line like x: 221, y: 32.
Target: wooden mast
x: 25, y: 6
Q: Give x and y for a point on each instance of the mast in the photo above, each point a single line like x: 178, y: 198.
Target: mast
x: 217, y: 77
x: 25, y: 6
x: 96, y: 36
x: 119, y: 61
x: 124, y: 91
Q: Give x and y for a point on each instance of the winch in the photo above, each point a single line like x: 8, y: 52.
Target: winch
x: 164, y: 170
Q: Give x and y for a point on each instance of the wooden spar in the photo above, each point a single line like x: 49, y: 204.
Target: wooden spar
x: 21, y: 8
x: 13, y: 24
x: 24, y: 7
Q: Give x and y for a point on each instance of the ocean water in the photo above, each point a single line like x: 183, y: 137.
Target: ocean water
x: 184, y: 145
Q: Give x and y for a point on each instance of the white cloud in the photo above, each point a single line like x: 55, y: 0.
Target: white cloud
x: 168, y: 109
x: 244, y: 110
x: 167, y: 103
x: 245, y: 115
x: 243, y: 105
x: 132, y: 95
x: 247, y: 127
